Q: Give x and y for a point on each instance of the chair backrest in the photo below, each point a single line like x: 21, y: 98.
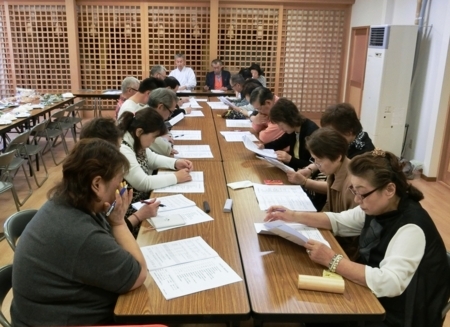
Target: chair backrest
x: 6, y: 158
x: 447, y: 307
x: 18, y: 140
x: 15, y: 225
x: 38, y: 130
x: 59, y: 115
x: 5, y: 286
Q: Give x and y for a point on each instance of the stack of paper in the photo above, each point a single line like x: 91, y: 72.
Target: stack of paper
x: 179, y: 205
x: 112, y: 92
x: 217, y: 105
x: 193, y: 151
x: 243, y: 123
x: 187, y: 266
x: 195, y: 113
x: 186, y: 134
x: 237, y: 136
x: 290, y: 196
x: 192, y: 103
x: 197, y: 184
x: 297, y: 233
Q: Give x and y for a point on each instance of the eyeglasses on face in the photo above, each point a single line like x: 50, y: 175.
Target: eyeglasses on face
x: 171, y: 111
x: 312, y: 160
x: 131, y: 88
x: 362, y: 196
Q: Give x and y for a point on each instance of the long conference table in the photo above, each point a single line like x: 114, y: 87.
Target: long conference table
x: 268, y: 265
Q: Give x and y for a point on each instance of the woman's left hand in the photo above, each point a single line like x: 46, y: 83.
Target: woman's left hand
x: 319, y: 252
x: 283, y: 156
x: 116, y: 217
x: 183, y: 163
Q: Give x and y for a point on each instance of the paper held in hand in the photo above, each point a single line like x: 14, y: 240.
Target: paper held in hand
x: 297, y: 233
x: 176, y: 119
x: 278, y: 164
x: 248, y: 143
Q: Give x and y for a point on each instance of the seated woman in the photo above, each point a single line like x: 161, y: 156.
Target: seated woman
x: 341, y: 117
x: 296, y: 127
x: 258, y: 74
x: 72, y: 262
x: 106, y: 129
x: 402, y: 256
x: 140, y: 130
x: 328, y: 151
x: 173, y: 84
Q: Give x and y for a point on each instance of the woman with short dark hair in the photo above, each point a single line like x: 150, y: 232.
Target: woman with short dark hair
x: 296, y: 127
x: 72, y: 261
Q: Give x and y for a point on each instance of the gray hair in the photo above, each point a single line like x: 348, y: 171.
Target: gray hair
x: 165, y: 96
x: 158, y: 69
x: 237, y: 79
x: 180, y: 55
x: 130, y: 81
x: 217, y: 61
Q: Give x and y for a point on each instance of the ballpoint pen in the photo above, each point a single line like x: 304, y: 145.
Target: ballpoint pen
x: 178, y: 136
x: 122, y: 191
x: 152, y: 201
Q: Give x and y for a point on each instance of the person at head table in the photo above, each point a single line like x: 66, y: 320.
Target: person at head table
x: 140, y: 131
x: 402, y: 259
x: 72, y: 261
x: 140, y: 98
x: 105, y: 128
x: 258, y: 73
x: 184, y: 75
x: 218, y: 79
x: 130, y: 86
x: 159, y: 72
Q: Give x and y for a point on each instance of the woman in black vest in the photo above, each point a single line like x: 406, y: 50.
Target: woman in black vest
x: 402, y: 256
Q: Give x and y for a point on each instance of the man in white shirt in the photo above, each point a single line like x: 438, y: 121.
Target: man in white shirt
x: 183, y: 74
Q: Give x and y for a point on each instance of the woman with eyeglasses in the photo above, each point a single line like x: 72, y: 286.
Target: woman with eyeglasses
x: 402, y: 256
x: 140, y: 131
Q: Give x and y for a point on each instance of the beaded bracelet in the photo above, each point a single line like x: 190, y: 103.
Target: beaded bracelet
x: 334, y: 262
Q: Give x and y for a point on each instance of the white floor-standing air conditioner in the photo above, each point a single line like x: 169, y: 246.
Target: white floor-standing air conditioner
x: 387, y: 82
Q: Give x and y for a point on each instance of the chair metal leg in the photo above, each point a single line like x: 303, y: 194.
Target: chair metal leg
x: 30, y: 190
x: 39, y: 155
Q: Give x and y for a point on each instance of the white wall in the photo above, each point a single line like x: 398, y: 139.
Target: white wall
x: 431, y: 87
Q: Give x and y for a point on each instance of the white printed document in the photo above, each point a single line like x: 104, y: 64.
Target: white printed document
x: 176, y: 119
x: 195, y: 113
x: 187, y: 266
x: 168, y: 203
x: 193, y: 151
x: 242, y: 123
x: 297, y: 233
x: 112, y: 92
x: 248, y: 143
x: 192, y: 103
x: 197, y: 185
x: 276, y: 163
x: 237, y: 136
x: 224, y: 100
x: 290, y: 196
x: 191, y: 216
x: 217, y: 105
x: 186, y: 134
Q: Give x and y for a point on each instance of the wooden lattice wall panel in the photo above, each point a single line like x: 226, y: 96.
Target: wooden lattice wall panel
x: 6, y: 81
x: 176, y: 29
x: 312, y: 58
x: 246, y: 36
x: 110, y: 45
x: 40, y: 47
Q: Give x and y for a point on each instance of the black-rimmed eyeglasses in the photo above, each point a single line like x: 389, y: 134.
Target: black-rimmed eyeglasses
x: 362, y: 196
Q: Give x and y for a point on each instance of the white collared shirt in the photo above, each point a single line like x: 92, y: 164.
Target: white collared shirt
x: 186, y: 77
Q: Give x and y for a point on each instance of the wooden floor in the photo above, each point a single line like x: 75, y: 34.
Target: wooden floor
x: 436, y: 202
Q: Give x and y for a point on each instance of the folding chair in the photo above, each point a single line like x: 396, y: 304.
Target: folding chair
x: 15, y: 225
x: 5, y: 286
x: 6, y: 182
x: 73, y: 116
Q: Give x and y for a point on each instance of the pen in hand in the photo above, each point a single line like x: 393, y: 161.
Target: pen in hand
x: 176, y: 136
x: 152, y: 201
x: 113, y: 205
